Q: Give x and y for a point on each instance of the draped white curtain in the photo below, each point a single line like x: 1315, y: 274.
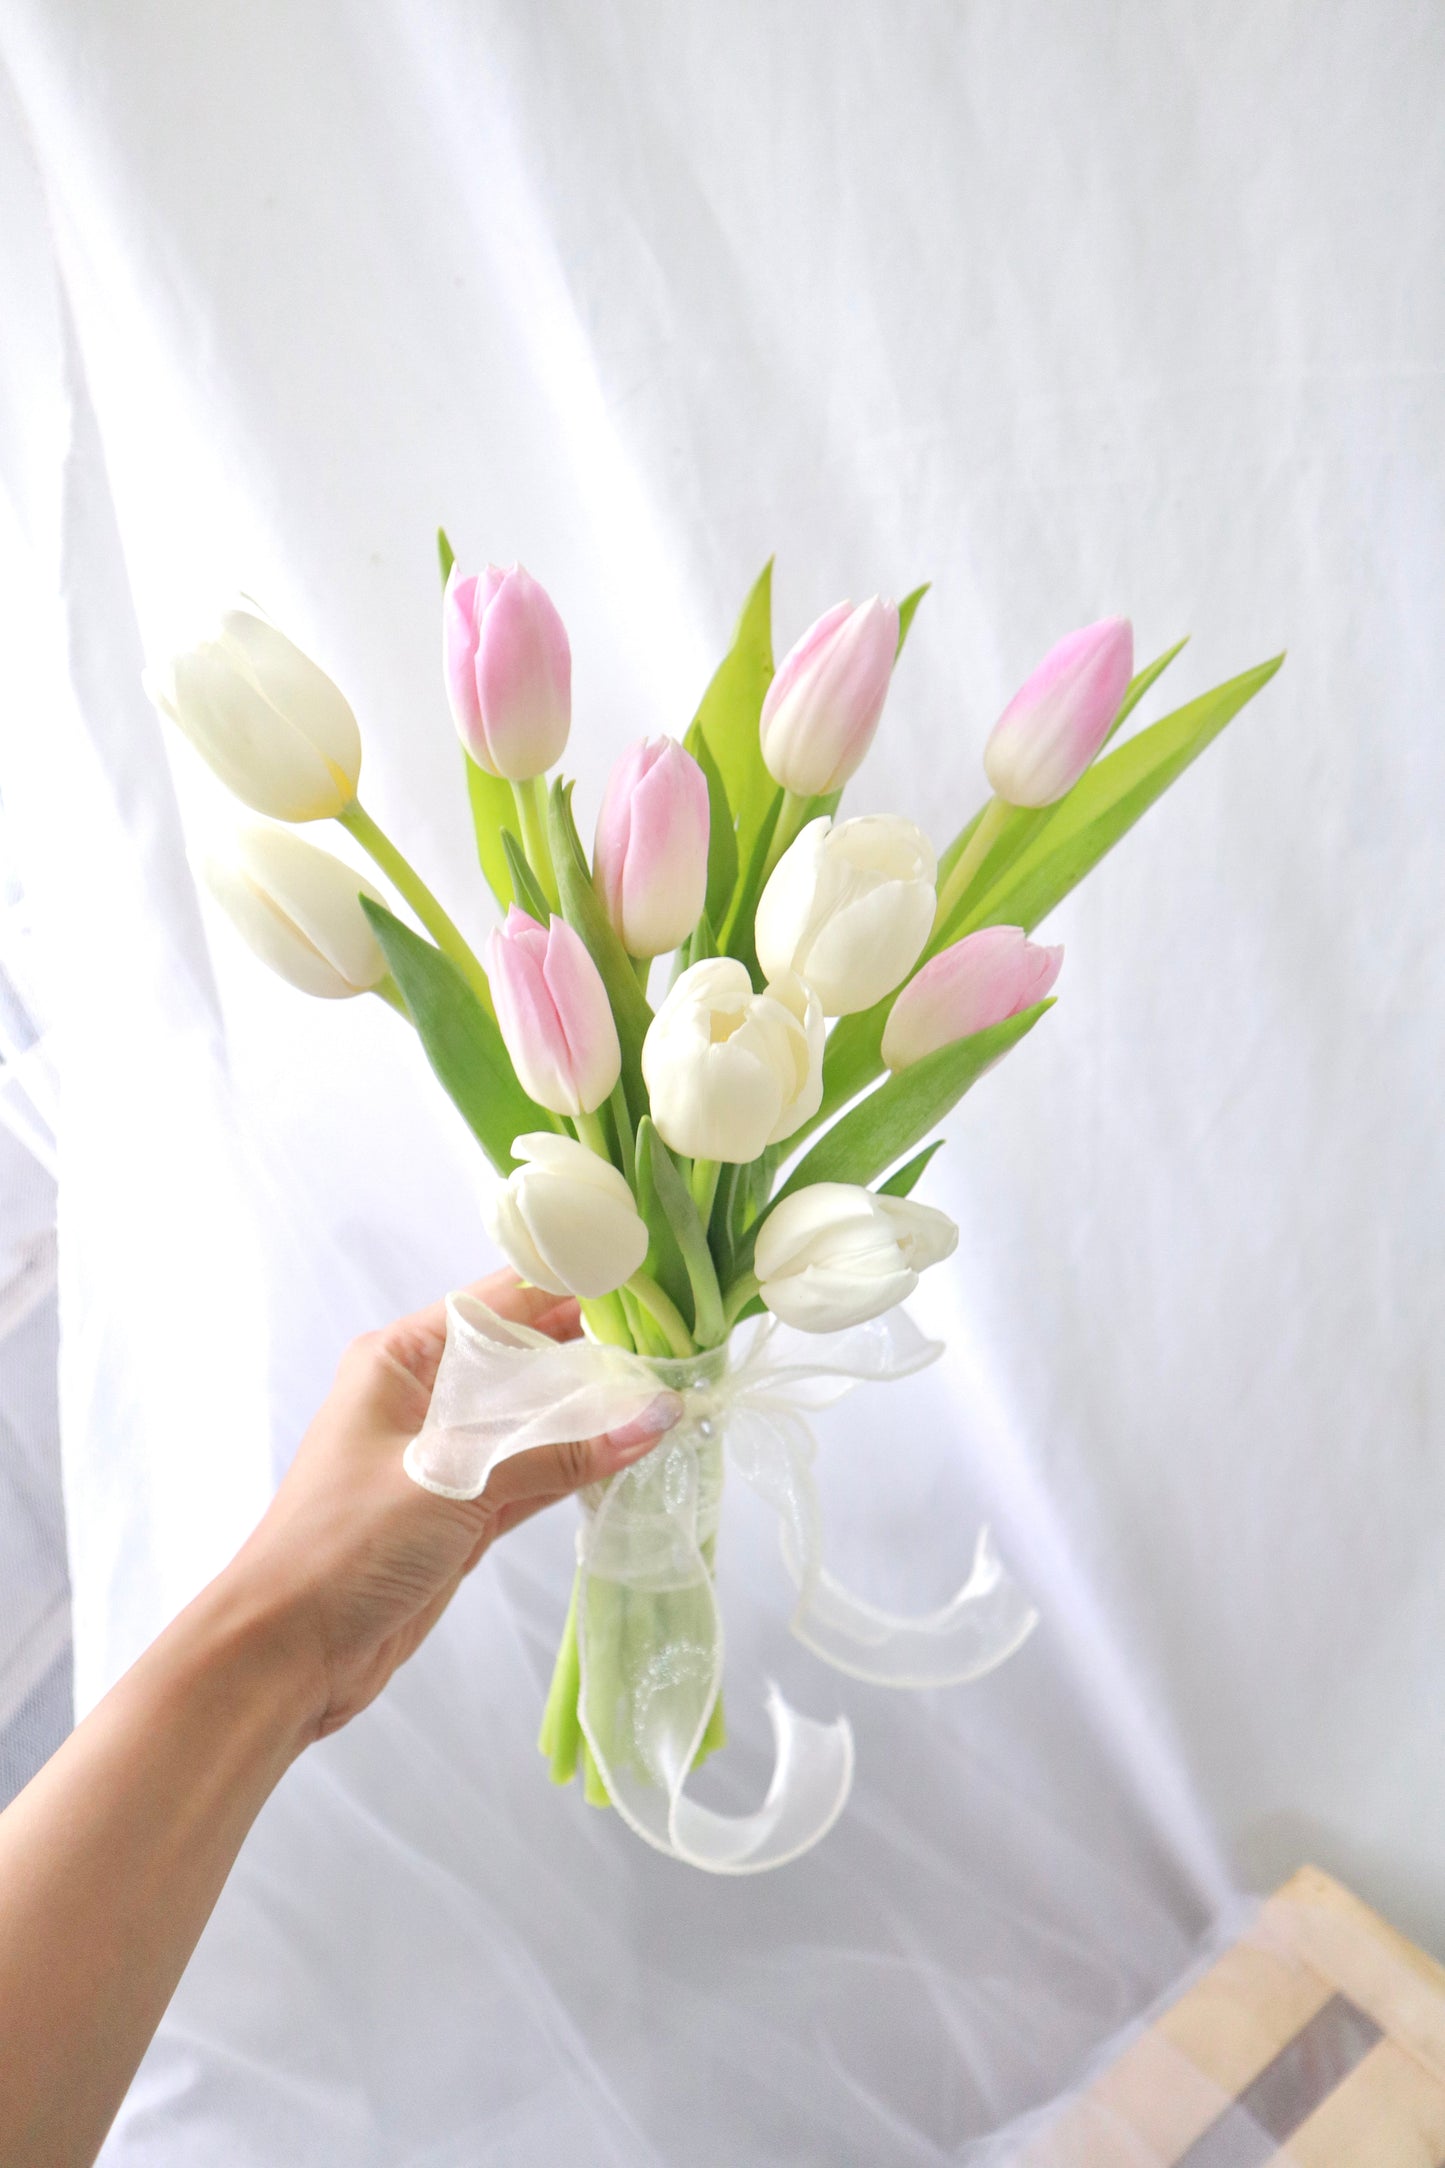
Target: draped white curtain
x: 1071, y: 311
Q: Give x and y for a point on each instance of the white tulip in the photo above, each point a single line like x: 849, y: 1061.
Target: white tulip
x: 834, y: 1255
x: 849, y: 909
x: 566, y: 1219
x: 729, y: 1071
x: 299, y: 909
x: 270, y: 722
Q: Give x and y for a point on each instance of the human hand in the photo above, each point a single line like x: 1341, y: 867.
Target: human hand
x: 353, y: 1560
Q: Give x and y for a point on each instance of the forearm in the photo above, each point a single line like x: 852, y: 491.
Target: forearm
x: 112, y: 1858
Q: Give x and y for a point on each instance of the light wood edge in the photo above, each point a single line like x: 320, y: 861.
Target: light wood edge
x: 1381, y: 1971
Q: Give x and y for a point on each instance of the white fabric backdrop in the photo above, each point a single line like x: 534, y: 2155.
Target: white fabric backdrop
x: 1072, y: 311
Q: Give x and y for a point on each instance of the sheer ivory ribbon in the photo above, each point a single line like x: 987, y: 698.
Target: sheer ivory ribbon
x: 649, y: 1630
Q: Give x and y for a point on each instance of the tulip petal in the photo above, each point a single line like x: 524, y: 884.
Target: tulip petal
x: 819, y: 1299
x: 258, y: 753
x: 297, y: 687
x: 315, y: 897
x: 505, y: 1224
x: 524, y: 678
x: 823, y: 709
x: 1059, y: 718
x: 849, y: 908
x: 459, y: 651
x: 590, y: 1239
x: 527, y: 1013
x: 968, y: 987
x: 584, y: 1017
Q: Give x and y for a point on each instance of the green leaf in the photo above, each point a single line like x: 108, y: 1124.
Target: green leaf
x: 722, y: 841
x: 1140, y: 684
x: 907, y: 611
x: 582, y: 908
x: 907, y: 1178
x: 664, y: 1258
x: 525, y: 886
x: 701, y: 944
x: 949, y: 858
x: 739, y: 935
x: 446, y: 555
x: 492, y: 807
x: 892, y: 1119
x: 462, y: 1042
x: 744, y: 1197
x: 1102, y: 806
x: 726, y: 1220
x: 730, y: 711
x: 851, y: 1058
x: 683, y: 1217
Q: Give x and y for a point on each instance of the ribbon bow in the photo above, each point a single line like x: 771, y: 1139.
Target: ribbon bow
x: 649, y: 1630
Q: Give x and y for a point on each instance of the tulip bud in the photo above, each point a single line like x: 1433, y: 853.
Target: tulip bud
x: 553, y: 1013
x: 834, y: 1255
x: 823, y: 705
x: 979, y: 981
x: 729, y: 1071
x: 566, y: 1219
x: 299, y: 909
x: 849, y: 909
x: 508, y: 670
x: 1057, y: 721
x: 273, y: 726
x: 649, y: 863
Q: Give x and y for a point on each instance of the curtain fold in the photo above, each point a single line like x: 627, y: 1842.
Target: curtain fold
x: 1130, y: 311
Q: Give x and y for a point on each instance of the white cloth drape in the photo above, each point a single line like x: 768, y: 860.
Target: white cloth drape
x: 1071, y: 311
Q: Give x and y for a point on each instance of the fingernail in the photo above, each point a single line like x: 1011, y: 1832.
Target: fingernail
x: 642, y: 1433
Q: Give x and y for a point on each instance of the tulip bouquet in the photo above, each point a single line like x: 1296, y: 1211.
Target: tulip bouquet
x: 735, y: 1136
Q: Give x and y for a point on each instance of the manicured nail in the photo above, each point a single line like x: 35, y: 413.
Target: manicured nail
x: 642, y: 1433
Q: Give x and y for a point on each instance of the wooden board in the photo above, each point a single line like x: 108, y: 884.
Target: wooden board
x: 1317, y: 2039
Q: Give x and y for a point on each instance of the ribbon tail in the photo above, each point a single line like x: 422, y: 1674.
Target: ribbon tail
x: 650, y: 1651
x: 983, y: 1625
x: 989, y: 1618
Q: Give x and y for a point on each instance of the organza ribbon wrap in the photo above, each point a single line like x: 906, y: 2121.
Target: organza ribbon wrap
x: 649, y: 1629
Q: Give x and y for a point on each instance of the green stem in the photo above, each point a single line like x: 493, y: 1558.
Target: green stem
x: 738, y: 1296
x: 589, y: 1128
x: 608, y: 1319
x: 532, y: 813
x: 705, y: 1173
x: 410, y: 885
x: 708, y: 1330
x: 561, y: 1735
x: 642, y: 972
x: 626, y: 1143
x: 972, y: 856
x: 792, y: 816
x: 646, y: 1338
x: 663, y: 1312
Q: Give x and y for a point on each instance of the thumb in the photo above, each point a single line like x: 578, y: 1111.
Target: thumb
x: 552, y: 1471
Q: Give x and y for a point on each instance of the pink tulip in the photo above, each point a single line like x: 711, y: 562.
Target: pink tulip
x: 822, y: 707
x: 1057, y: 721
x: 982, y: 979
x: 649, y: 862
x: 508, y: 670
x: 555, y: 1018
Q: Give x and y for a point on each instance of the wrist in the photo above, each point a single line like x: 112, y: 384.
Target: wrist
x: 256, y: 1647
